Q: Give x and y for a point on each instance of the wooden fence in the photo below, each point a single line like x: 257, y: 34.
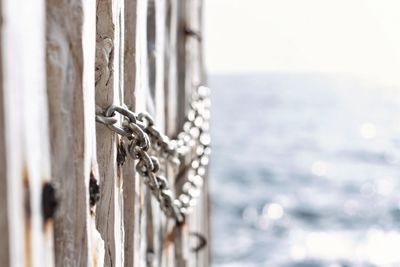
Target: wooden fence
x: 64, y: 200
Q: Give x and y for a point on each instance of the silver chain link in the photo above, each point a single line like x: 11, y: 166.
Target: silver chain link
x: 143, y: 136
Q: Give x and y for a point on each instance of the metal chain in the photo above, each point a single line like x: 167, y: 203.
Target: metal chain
x: 193, y: 140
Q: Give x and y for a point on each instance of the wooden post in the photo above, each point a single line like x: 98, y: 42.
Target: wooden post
x: 131, y: 183
x: 4, y: 225
x: 109, y: 66
x: 70, y: 82
x: 24, y: 138
x: 195, y: 76
x: 67, y: 197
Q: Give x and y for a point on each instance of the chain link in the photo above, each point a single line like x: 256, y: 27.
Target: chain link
x: 143, y: 136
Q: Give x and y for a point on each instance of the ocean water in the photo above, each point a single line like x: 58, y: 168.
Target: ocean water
x: 305, y: 171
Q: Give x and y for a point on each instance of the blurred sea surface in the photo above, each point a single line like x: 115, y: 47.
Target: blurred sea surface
x: 305, y: 171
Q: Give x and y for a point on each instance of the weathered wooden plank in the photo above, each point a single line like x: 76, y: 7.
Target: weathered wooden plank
x: 109, y: 66
x: 70, y: 73
x: 171, y: 82
x: 198, y: 220
x: 25, y: 140
x: 161, y: 226
x: 130, y: 181
x: 175, y: 106
x: 148, y: 56
x: 143, y: 102
x: 4, y: 226
x: 170, y: 245
x: 184, y: 91
x: 190, y: 74
x: 152, y: 214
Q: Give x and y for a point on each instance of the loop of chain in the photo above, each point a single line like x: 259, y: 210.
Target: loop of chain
x: 143, y: 135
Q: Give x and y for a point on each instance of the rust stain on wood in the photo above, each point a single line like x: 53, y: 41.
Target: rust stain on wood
x: 94, y: 190
x: 121, y: 153
x: 121, y: 158
x: 170, y: 236
x: 27, y: 216
x: 192, y: 33
x: 49, y: 205
x: 94, y: 258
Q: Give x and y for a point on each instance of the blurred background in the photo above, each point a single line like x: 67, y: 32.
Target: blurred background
x: 306, y: 132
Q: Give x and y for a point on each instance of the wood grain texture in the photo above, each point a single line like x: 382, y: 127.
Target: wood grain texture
x: 144, y: 54
x: 130, y: 180
x: 70, y: 82
x: 199, y: 220
x: 4, y: 226
x: 25, y: 138
x: 176, y: 101
x: 109, y: 216
x: 143, y: 102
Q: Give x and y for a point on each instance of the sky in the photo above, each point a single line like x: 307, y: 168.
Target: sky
x: 343, y: 36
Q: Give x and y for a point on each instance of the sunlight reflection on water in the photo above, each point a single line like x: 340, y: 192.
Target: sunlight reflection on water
x: 304, y: 172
